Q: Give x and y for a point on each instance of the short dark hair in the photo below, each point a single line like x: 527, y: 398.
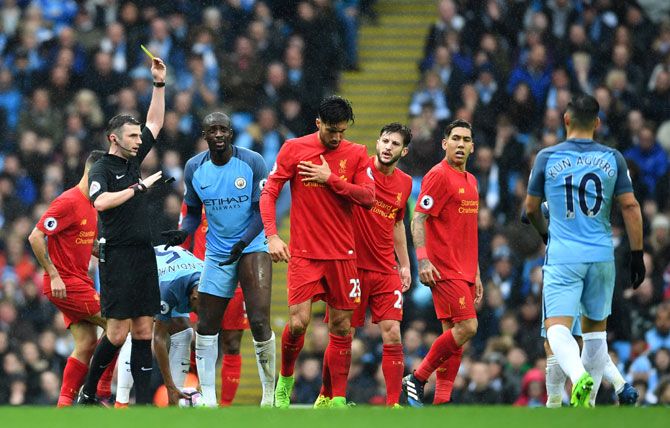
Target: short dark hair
x: 93, y: 157
x: 335, y: 109
x: 583, y: 110
x: 458, y: 123
x: 400, y: 129
x: 215, y: 117
x: 118, y: 121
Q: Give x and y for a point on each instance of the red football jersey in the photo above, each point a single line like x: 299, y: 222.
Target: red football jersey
x: 71, y: 225
x: 195, y: 244
x: 451, y: 200
x: 321, y: 219
x: 374, y: 228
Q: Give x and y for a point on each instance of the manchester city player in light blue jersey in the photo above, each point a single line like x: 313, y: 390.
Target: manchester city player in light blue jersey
x: 178, y: 277
x: 227, y: 181
x: 580, y: 179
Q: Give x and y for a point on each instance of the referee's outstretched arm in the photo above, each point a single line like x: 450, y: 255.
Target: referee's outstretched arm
x: 156, y: 112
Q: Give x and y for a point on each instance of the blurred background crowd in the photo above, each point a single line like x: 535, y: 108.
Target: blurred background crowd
x: 509, y: 67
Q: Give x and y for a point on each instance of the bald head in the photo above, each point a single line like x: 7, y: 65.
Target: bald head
x: 216, y: 118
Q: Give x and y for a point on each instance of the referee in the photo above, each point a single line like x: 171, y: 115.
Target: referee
x: 129, y: 290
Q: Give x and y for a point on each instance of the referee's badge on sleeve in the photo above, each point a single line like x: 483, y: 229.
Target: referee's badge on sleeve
x: 95, y: 187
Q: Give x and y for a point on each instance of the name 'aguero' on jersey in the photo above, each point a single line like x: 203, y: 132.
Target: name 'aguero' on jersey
x: 228, y: 193
x: 579, y: 180
x: 178, y: 272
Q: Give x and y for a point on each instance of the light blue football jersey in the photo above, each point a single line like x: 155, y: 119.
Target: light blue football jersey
x: 579, y: 179
x: 178, y: 271
x: 228, y: 193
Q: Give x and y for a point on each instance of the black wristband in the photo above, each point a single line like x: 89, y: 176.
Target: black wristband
x: 159, y: 84
x: 138, y: 188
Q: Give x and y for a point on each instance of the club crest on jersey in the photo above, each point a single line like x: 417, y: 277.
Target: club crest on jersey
x: 83, y: 222
x: 461, y: 302
x: 95, y: 186
x: 398, y: 197
x: 165, y: 308
x: 426, y: 202
x: 343, y: 166
x: 240, y: 183
x: 50, y: 224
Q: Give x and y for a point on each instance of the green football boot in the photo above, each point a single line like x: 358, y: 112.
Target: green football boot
x: 322, y: 402
x: 581, y: 391
x: 283, y: 391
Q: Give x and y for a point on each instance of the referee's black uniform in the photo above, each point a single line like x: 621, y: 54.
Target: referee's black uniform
x: 128, y: 274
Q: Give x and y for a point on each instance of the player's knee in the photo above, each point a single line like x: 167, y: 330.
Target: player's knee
x: 230, y: 344
x: 117, y: 337
x: 467, y: 329
x: 340, y: 327
x: 298, y: 325
x: 259, y: 327
x: 84, y: 347
x: 391, y: 334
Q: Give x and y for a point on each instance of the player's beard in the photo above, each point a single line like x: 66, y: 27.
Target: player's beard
x: 393, y: 160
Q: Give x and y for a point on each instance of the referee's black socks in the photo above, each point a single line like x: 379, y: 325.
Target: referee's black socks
x: 141, y: 368
x: 102, y: 357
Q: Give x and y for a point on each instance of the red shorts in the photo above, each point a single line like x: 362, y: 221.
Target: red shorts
x: 333, y: 281
x: 82, y: 302
x: 454, y: 300
x: 235, y: 317
x: 382, y: 292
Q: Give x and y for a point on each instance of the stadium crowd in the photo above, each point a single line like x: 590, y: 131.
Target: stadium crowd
x: 509, y: 68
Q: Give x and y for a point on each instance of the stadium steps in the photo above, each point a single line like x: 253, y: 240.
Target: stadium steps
x: 380, y: 92
x: 388, y: 56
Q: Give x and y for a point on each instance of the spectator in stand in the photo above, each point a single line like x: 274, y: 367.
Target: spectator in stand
x: 649, y: 157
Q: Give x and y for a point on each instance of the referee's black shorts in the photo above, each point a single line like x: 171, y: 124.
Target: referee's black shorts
x: 129, y: 282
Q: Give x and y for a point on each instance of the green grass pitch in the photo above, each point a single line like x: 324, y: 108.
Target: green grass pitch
x: 361, y: 416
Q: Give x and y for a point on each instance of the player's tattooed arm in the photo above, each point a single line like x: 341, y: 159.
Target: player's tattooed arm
x: 95, y: 251
x: 427, y: 272
x: 38, y: 243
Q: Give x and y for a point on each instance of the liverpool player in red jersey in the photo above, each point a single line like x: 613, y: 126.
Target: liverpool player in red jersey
x: 233, y: 324
x: 63, y: 240
x: 328, y: 175
x: 444, y: 230
x: 380, y: 234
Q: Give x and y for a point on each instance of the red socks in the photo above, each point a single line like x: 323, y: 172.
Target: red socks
x: 104, y: 390
x: 73, y: 378
x: 326, y: 387
x: 446, y: 374
x: 393, y: 367
x: 443, y: 348
x: 230, y: 377
x: 290, y: 349
x: 338, y: 354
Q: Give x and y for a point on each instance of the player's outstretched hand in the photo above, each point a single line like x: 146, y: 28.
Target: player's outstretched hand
x: 405, y: 278
x: 174, y: 395
x: 637, y: 269
x: 58, y: 288
x: 235, y: 253
x: 428, y: 273
x: 174, y: 237
x: 278, y: 249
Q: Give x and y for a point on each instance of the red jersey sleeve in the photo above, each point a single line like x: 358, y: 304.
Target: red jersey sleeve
x: 362, y: 189
x: 282, y: 171
x: 433, y: 194
x: 58, y: 217
x: 407, y: 191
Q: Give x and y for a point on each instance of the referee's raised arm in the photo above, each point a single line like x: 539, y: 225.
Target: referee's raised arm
x: 156, y: 112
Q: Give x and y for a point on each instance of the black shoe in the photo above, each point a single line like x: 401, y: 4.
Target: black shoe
x: 413, y: 389
x: 85, y: 400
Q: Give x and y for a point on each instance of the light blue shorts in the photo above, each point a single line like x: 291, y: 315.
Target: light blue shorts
x: 216, y: 280
x: 576, y: 325
x: 578, y: 288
